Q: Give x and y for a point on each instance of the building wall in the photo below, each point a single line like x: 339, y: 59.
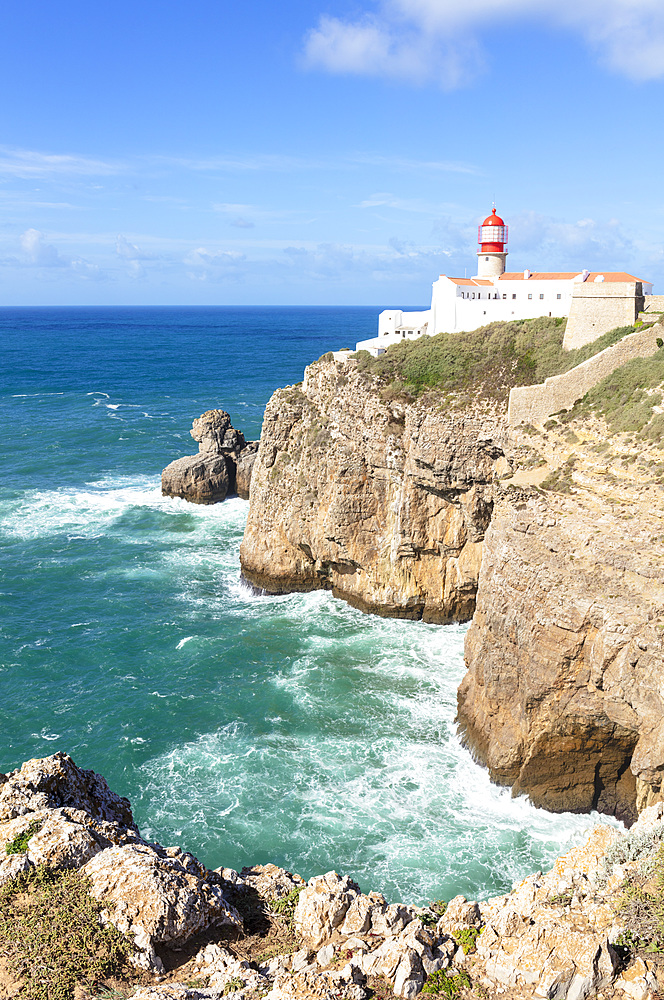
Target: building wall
x: 532, y: 404
x: 392, y: 320
x: 451, y: 312
x: 598, y: 307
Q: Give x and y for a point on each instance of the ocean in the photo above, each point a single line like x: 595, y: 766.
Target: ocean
x: 246, y: 729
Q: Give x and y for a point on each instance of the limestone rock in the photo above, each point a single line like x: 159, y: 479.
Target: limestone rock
x: 459, y: 914
x: 322, y: 906
x: 200, y: 479
x: 270, y: 882
x: 12, y: 865
x: 560, y: 699
x: 223, y: 465
x: 62, y: 844
x: 56, y: 781
x: 215, y: 434
x: 154, y: 897
x: 382, y: 502
x: 244, y: 468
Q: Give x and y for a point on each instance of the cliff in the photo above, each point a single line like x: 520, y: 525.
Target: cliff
x: 383, y: 501
x: 563, y: 695
x: 89, y: 908
x: 550, y: 536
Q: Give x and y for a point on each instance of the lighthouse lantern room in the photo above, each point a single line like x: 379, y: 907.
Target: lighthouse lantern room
x: 492, y: 239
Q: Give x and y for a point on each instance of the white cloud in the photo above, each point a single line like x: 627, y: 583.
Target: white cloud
x: 438, y: 40
x: 544, y: 242
x: 27, y: 163
x: 129, y: 251
x: 39, y: 253
x: 396, y: 48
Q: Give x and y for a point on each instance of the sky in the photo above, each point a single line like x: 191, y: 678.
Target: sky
x: 336, y: 153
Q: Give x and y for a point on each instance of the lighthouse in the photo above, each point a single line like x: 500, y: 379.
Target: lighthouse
x: 492, y: 239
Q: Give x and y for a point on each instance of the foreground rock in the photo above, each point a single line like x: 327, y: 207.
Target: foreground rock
x: 558, y: 935
x: 223, y: 465
x: 385, y: 503
x: 71, y: 819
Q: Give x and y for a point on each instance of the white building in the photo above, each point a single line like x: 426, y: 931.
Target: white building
x: 593, y: 302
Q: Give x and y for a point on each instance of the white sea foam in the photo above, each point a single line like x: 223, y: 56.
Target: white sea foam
x: 370, y: 779
x: 86, y: 510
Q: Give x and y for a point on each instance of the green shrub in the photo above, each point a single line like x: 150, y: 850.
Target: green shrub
x: 285, y: 906
x: 51, y: 936
x: 440, y: 984
x: 560, y: 480
x: 489, y: 361
x: 436, y: 909
x: 621, y: 398
x: 467, y: 937
x: 19, y: 844
x: 641, y: 906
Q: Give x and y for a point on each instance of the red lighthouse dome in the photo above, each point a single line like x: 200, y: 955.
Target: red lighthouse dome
x: 492, y: 234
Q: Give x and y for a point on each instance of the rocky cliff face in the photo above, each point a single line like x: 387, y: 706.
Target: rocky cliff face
x: 563, y: 698
x: 383, y: 502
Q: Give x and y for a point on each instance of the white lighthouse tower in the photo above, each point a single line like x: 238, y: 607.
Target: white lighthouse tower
x: 492, y: 239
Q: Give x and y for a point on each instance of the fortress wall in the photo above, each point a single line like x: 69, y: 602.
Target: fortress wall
x: 535, y: 403
x: 653, y: 303
x: 599, y: 307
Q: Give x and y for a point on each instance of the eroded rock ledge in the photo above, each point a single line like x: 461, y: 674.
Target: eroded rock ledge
x: 384, y: 503
x: 556, y: 935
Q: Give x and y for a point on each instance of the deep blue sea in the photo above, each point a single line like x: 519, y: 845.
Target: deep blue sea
x: 294, y: 729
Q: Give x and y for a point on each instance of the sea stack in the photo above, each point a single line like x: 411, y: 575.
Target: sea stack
x: 221, y: 468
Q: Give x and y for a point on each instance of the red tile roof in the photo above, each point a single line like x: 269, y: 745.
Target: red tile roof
x: 568, y: 275
x: 469, y: 281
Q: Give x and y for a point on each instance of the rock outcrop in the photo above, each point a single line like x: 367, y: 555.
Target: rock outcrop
x: 223, y: 465
x: 70, y: 818
x: 381, y: 501
x: 558, y: 935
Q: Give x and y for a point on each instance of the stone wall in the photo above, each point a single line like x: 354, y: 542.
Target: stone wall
x: 653, y: 303
x: 534, y: 403
x: 598, y: 307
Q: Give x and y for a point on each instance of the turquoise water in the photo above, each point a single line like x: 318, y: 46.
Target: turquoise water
x: 294, y: 729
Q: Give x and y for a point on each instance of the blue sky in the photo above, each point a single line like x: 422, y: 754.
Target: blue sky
x: 330, y: 152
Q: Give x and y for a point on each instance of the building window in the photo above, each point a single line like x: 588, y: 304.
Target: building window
x: 473, y: 294
x: 558, y: 295
x: 513, y: 295
x: 530, y: 295
x: 504, y: 296
x: 541, y: 295
x: 486, y: 258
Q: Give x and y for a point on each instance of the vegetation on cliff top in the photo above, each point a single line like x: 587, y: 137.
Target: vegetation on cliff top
x: 487, y: 362
x: 628, y: 398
